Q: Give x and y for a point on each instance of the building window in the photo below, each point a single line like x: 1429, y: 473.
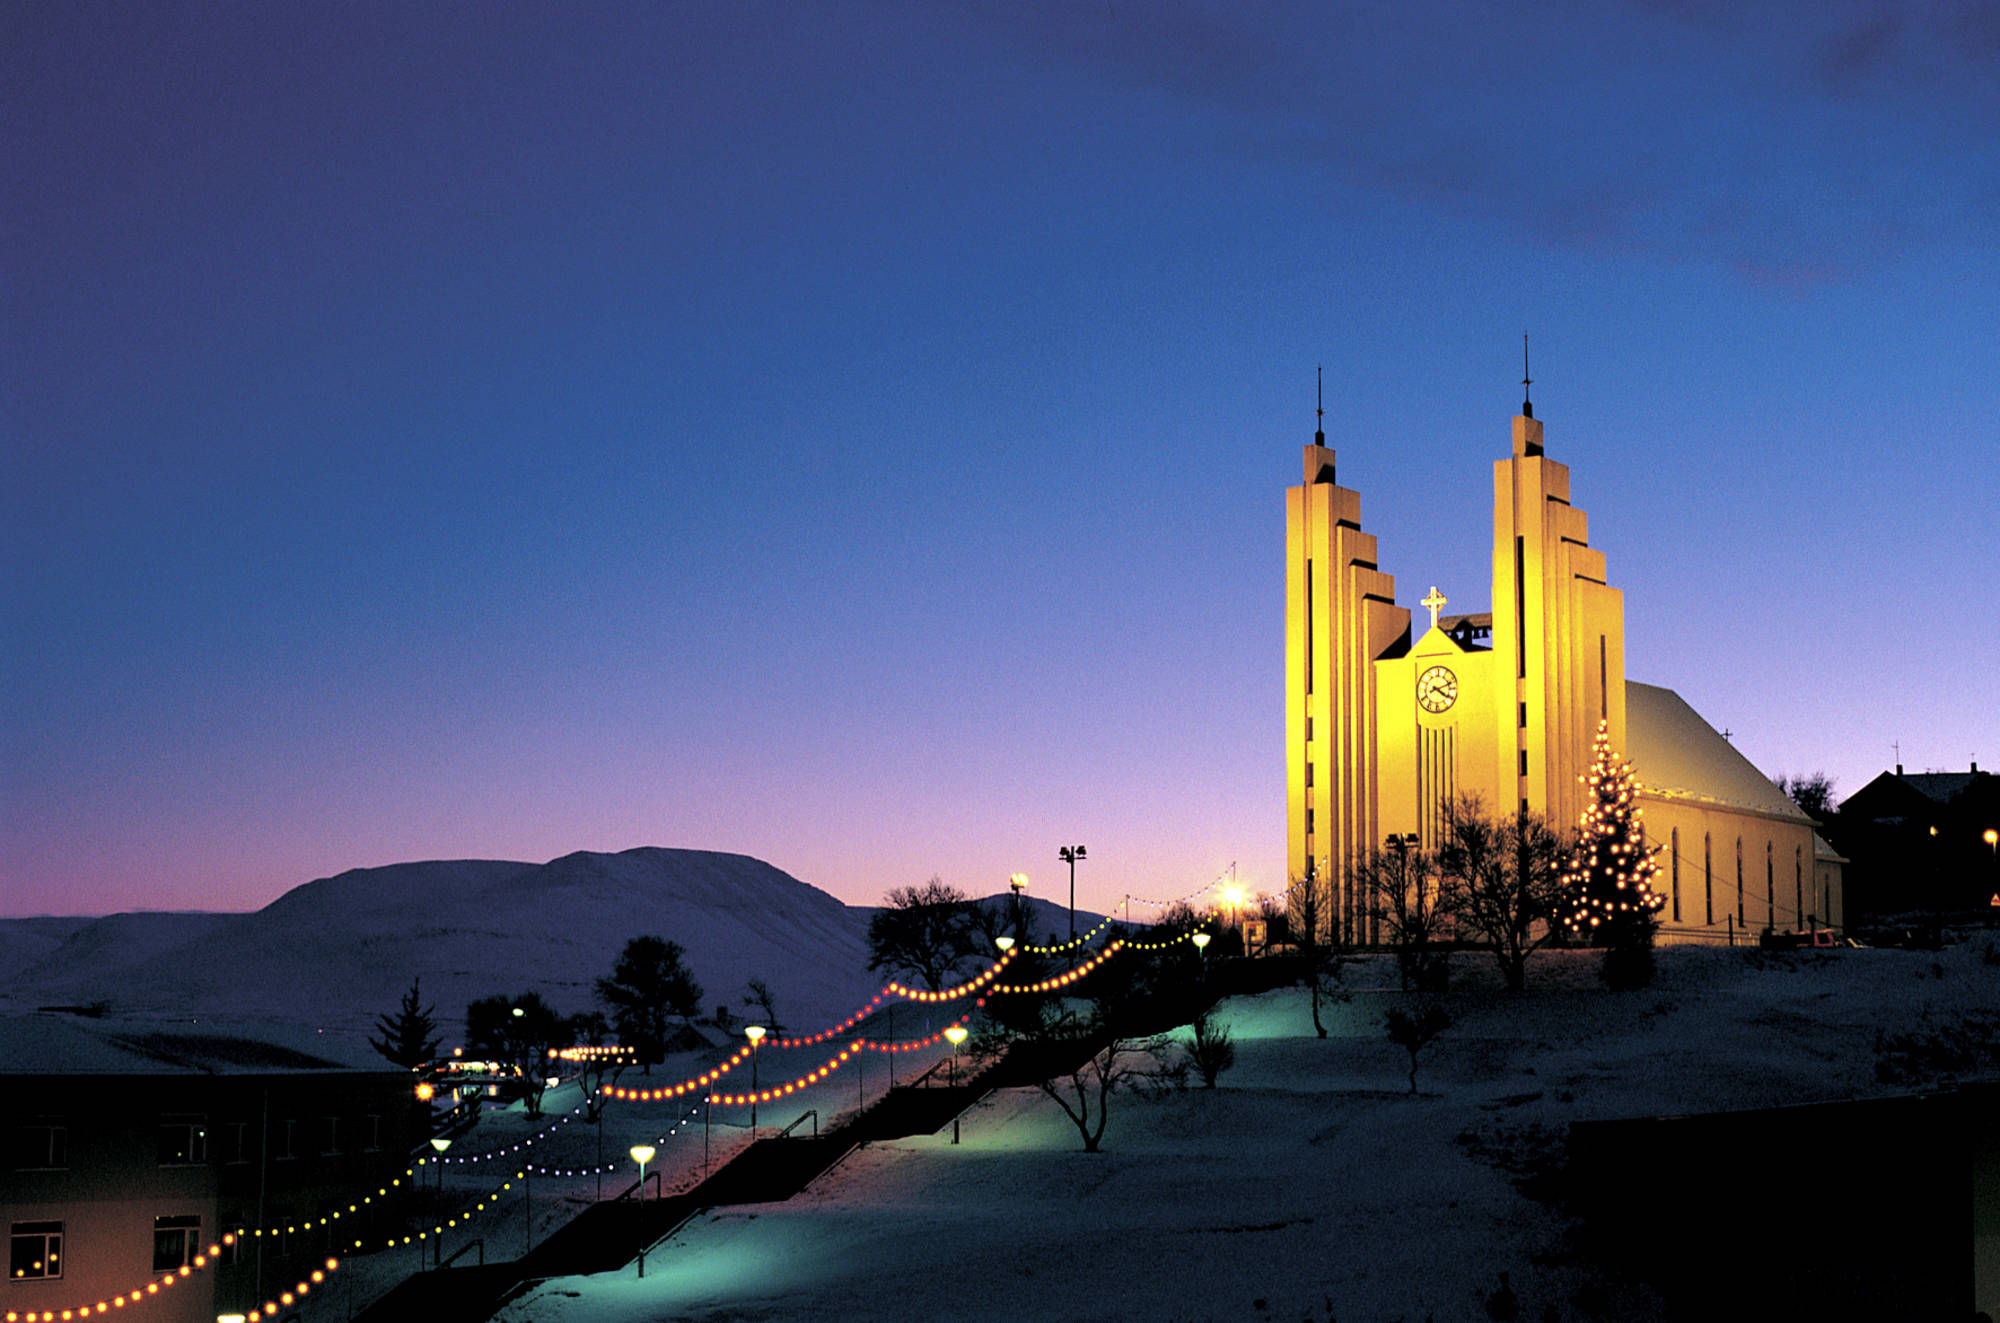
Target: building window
x: 371, y: 1133
x: 285, y: 1139
x: 1524, y: 716
x: 234, y: 1138
x: 329, y: 1135
x: 1740, y: 920
x: 176, y: 1240
x: 1524, y: 762
x: 1799, y: 885
x: 1770, y: 890
x: 36, y: 1251
x: 39, y: 1146
x: 1708, y: 879
x: 1674, y: 848
x: 183, y: 1141
x: 1309, y: 773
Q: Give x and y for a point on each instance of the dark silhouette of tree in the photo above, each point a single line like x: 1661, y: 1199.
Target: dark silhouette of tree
x: 1409, y: 899
x: 757, y: 996
x: 1210, y: 1048
x: 1413, y: 1030
x: 926, y: 931
x: 1506, y: 876
x: 1308, y: 919
x: 649, y: 983
x: 1088, y: 1063
x: 1812, y: 793
x: 518, y: 1032
x: 409, y: 1037
x: 591, y: 1029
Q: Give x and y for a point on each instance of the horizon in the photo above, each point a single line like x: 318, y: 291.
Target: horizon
x: 857, y: 439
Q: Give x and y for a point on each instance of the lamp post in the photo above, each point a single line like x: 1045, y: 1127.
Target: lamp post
x: 1201, y: 941
x: 755, y: 1033
x: 1005, y: 944
x: 957, y: 1035
x: 437, y: 1205
x: 1069, y: 854
x: 1019, y: 882
x: 642, y: 1154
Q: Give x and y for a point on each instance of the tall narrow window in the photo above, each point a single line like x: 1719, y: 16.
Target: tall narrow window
x: 1770, y: 891
x: 1524, y: 716
x: 1674, y: 848
x: 1707, y: 880
x: 1524, y: 762
x: 1520, y: 607
x: 1603, y: 682
x: 39, y: 1145
x: 1740, y: 920
x: 1799, y: 886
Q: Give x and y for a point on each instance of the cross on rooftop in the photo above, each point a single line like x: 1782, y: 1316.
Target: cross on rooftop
x: 1434, y: 601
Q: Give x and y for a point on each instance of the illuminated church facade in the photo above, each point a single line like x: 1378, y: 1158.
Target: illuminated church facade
x: 1386, y: 726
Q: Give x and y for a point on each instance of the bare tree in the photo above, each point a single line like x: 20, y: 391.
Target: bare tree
x: 1505, y: 877
x: 757, y: 996
x: 517, y: 1031
x: 1813, y: 793
x: 926, y: 931
x: 1412, y: 1030
x: 1309, y: 929
x: 1211, y: 1048
x: 1407, y: 896
x: 1099, y: 1064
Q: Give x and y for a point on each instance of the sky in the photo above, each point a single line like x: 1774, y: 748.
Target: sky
x: 856, y: 436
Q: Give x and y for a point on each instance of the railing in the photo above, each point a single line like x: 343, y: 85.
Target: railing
x: 478, y: 1244
x: 653, y: 1176
x: 812, y: 1115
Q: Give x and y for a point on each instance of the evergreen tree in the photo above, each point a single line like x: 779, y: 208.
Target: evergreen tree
x: 650, y: 982
x: 1610, y: 901
x: 409, y: 1037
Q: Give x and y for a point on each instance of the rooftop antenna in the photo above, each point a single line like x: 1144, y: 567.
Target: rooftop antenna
x: 1527, y: 405
x: 1319, y: 387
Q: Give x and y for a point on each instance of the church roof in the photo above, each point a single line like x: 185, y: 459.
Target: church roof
x: 1676, y: 753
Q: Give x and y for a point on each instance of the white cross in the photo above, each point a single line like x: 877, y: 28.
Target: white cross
x: 1434, y: 601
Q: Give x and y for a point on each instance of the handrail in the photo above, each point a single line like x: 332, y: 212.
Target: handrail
x: 479, y: 1244
x: 653, y: 1176
x: 812, y: 1113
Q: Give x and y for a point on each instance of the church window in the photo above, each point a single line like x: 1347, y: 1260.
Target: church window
x: 1770, y: 890
x: 1674, y: 850
x: 1524, y: 762
x: 1740, y: 920
x: 1520, y: 607
x: 1309, y: 773
x: 1309, y: 822
x: 1799, y: 884
x: 1707, y: 879
x: 1524, y: 716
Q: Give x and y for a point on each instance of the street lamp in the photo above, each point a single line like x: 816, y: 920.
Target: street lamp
x: 642, y: 1154
x: 1069, y: 854
x: 1005, y: 944
x: 957, y: 1035
x: 755, y: 1033
x: 437, y: 1205
x: 1019, y: 881
x: 1201, y: 941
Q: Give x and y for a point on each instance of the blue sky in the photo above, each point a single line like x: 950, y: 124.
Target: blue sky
x: 856, y: 435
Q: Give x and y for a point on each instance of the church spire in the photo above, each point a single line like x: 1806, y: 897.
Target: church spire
x: 1527, y: 405
x: 1319, y: 388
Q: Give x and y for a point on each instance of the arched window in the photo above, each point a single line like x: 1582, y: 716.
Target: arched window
x: 1799, y: 885
x: 1740, y: 920
x: 1770, y: 890
x: 1707, y: 880
x: 1674, y: 845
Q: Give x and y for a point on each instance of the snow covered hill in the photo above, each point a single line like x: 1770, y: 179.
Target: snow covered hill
x: 331, y: 955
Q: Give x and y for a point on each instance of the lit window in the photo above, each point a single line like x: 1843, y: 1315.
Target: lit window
x: 36, y: 1251
x: 176, y: 1240
x: 39, y: 1146
x: 183, y: 1141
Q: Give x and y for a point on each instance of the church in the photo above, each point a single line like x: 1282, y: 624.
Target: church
x: 1383, y: 730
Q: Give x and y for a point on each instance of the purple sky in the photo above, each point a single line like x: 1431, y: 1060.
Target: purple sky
x: 856, y: 436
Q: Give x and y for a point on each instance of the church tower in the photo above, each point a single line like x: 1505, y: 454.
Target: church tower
x: 1340, y: 615
x: 1558, y: 631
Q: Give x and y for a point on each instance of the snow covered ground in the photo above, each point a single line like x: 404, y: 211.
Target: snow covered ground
x: 1309, y: 1184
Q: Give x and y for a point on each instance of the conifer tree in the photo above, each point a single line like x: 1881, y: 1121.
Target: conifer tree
x: 1608, y: 884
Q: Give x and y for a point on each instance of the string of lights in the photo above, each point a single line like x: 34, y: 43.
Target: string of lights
x: 492, y: 1197
x: 1074, y: 944
x: 911, y: 1044
x: 1199, y: 891
x: 141, y: 1294
x: 516, y: 1147
x: 966, y: 988
x: 693, y: 1084
x: 1064, y: 980
x: 608, y: 1167
x: 1159, y: 946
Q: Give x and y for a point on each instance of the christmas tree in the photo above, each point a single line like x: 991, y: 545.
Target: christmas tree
x: 1608, y: 883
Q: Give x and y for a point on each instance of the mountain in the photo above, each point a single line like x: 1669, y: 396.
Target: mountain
x: 326, y: 958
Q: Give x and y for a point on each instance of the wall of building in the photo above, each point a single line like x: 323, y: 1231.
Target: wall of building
x: 1787, y: 898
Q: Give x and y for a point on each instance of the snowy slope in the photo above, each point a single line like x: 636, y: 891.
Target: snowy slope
x: 332, y: 954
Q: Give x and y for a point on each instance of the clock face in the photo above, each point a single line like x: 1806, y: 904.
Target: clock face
x: 1437, y: 689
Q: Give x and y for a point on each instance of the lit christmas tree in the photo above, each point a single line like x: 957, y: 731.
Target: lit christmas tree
x: 1609, y: 879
